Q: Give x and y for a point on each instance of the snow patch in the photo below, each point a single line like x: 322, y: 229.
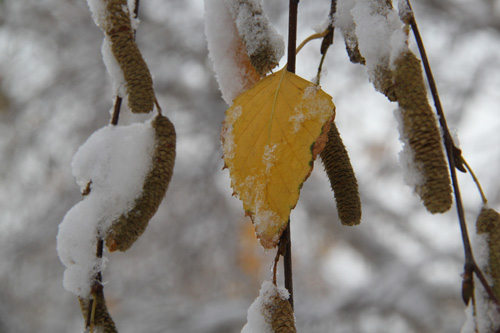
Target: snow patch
x: 113, y: 68
x: 411, y: 172
x: 269, y: 158
x: 115, y: 161
x: 228, y: 144
x: 258, y: 315
x: 309, y: 107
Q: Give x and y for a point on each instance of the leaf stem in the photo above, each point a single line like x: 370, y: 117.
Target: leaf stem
x: 478, y: 184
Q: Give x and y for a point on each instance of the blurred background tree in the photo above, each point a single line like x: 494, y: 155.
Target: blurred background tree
x: 198, y: 266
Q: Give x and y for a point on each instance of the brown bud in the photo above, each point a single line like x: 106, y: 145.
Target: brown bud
x: 128, y: 227
x: 342, y: 178
x: 488, y: 222
x: 420, y: 130
x: 139, y: 83
x: 102, y: 318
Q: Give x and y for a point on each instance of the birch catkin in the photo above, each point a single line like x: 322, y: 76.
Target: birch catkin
x: 342, y: 179
x: 102, y: 319
x: 128, y: 227
x: 264, y: 46
x: 488, y: 222
x: 420, y: 130
x: 282, y: 317
x: 139, y: 84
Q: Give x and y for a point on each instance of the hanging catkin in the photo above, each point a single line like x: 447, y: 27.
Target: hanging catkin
x: 264, y: 46
x: 420, y: 130
x: 128, y: 227
x: 342, y: 179
x: 282, y: 317
x: 102, y: 320
x: 488, y: 222
x: 139, y: 84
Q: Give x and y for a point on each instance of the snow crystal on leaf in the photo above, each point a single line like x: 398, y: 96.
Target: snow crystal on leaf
x: 269, y: 157
x: 310, y: 107
x: 227, y: 136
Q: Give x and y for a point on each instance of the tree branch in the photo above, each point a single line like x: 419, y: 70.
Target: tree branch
x: 285, y: 237
x: 455, y: 161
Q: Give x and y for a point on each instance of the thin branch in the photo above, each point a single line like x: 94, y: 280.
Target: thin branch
x: 116, y: 111
x: 478, y: 184
x: 454, y: 160
x: 285, y: 237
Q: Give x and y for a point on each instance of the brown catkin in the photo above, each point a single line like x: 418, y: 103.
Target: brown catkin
x: 419, y: 128
x: 128, y: 227
x: 282, y: 317
x: 102, y: 319
x: 139, y: 83
x: 352, y: 48
x: 488, y: 222
x: 342, y: 178
x: 384, y: 81
x: 257, y: 35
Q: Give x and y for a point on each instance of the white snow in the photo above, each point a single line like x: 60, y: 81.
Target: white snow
x: 258, y: 316
x: 116, y: 159
x: 269, y: 158
x: 228, y: 144
x: 378, y: 29
x: 99, y: 12
x: 225, y: 45
x: 113, y: 68
x: 222, y: 39
x: 404, y: 10
x: 411, y: 173
x: 309, y: 107
x: 254, y: 28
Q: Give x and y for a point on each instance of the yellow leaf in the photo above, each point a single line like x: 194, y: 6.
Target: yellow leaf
x: 271, y: 135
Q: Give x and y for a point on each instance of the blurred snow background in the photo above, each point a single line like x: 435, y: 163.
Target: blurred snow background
x: 198, y: 266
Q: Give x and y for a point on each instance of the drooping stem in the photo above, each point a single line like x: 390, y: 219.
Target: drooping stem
x: 478, y: 184
x: 455, y: 162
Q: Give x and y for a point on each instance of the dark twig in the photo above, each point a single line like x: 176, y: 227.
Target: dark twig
x: 116, y: 111
x: 327, y: 40
x: 285, y: 237
x: 454, y: 161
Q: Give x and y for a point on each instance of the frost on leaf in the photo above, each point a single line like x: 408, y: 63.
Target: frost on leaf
x: 271, y: 136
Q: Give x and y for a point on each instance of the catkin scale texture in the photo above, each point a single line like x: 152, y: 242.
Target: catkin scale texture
x: 342, y: 178
x: 102, y: 319
x: 488, y: 222
x: 128, y: 227
x: 282, y: 317
x: 259, y: 47
x: 422, y: 134
x: 139, y: 84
